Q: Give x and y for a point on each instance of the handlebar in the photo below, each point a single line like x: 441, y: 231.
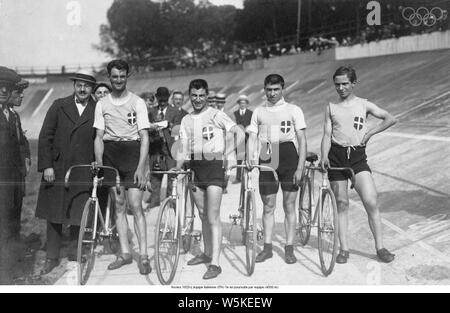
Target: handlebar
x: 338, y: 169
x: 251, y: 167
x: 178, y: 173
x: 94, y: 169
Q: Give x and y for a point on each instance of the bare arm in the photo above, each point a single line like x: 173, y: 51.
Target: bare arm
x: 326, y: 139
x: 388, y: 121
x: 301, y: 138
x: 99, y: 146
x: 140, y: 177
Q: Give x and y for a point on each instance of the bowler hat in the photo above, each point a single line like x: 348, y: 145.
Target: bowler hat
x: 85, y: 77
x: 9, y: 76
x: 162, y: 93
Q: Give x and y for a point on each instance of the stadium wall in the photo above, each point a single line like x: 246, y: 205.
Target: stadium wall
x: 417, y: 43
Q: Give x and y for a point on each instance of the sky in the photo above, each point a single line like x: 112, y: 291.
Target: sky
x: 52, y: 33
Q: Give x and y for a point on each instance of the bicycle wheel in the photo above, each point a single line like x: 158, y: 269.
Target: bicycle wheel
x: 243, y: 200
x: 328, y: 232
x: 188, y: 222
x: 251, y: 237
x: 86, y: 242
x: 167, y: 249
x: 304, y: 212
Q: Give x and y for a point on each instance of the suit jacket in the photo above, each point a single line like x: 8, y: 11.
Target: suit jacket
x: 66, y: 139
x: 162, y: 144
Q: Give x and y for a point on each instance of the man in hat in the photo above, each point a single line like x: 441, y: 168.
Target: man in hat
x: 9, y: 174
x: 243, y: 117
x: 163, y: 119
x: 25, y: 155
x: 221, y: 99
x: 66, y: 139
x: 212, y: 99
x: 177, y: 102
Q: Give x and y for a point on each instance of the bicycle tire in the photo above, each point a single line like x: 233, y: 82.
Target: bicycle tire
x: 251, y: 233
x: 167, y: 261
x: 187, y: 237
x: 86, y: 242
x: 243, y: 202
x: 328, y: 232
x: 305, y: 212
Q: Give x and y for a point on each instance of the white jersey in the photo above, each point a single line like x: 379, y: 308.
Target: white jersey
x: 349, y: 122
x: 205, y: 132
x: 277, y: 124
x: 121, y: 119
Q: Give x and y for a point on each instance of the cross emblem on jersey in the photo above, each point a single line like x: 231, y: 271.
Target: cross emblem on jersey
x: 359, y: 123
x: 208, y: 133
x: 286, y: 126
x: 132, y: 119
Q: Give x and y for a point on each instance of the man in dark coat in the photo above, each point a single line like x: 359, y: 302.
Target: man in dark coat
x: 66, y: 139
x: 25, y: 154
x: 163, y: 118
x: 9, y: 174
x: 243, y: 117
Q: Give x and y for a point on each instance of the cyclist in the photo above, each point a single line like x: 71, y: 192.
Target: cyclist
x: 122, y: 142
x: 346, y: 134
x: 280, y: 128
x: 202, y: 136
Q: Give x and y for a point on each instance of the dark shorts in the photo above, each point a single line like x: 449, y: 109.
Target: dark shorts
x: 288, y: 163
x: 354, y: 158
x: 208, y: 173
x: 123, y: 156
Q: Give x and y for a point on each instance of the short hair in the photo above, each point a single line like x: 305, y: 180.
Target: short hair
x: 118, y: 64
x: 102, y: 85
x: 346, y: 70
x: 147, y: 95
x: 274, y: 79
x: 199, y: 84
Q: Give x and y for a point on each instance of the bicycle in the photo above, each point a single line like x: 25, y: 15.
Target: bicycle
x: 174, y: 226
x: 325, y: 215
x: 246, y: 216
x: 90, y: 234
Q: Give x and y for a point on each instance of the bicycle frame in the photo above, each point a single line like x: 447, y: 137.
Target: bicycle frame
x: 96, y: 182
x: 310, y: 172
x: 180, y: 213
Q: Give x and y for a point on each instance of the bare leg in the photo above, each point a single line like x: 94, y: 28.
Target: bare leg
x: 135, y: 203
x: 121, y: 219
x: 340, y: 190
x: 365, y: 186
x: 199, y: 197
x: 269, y: 203
x: 290, y: 220
x: 213, y: 200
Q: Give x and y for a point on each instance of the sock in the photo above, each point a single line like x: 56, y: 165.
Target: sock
x: 289, y: 249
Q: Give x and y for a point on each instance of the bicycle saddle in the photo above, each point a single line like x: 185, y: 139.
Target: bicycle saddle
x: 311, y: 157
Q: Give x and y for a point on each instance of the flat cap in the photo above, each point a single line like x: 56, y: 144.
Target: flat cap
x: 9, y: 76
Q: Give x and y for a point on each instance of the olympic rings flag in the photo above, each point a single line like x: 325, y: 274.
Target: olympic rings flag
x: 424, y: 16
